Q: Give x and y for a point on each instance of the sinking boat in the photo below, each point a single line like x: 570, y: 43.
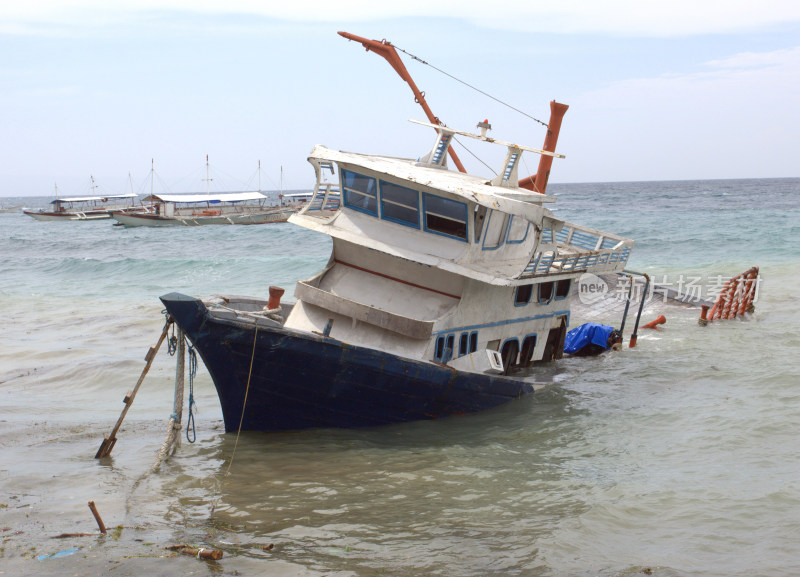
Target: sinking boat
x: 440, y: 286
x: 442, y: 291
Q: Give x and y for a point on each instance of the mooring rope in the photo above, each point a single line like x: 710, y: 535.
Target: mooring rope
x: 192, y: 404
x: 173, y: 437
x: 244, y: 404
x: 172, y: 343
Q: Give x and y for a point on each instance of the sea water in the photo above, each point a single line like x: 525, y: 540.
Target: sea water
x: 677, y: 457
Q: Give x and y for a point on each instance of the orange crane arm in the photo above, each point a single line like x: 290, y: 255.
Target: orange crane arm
x: 557, y: 110
x: 385, y: 49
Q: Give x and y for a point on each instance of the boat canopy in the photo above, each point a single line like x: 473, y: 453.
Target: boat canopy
x: 211, y: 198
x: 93, y: 198
x: 298, y: 195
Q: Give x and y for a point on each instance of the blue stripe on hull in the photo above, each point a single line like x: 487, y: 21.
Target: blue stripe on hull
x: 302, y: 381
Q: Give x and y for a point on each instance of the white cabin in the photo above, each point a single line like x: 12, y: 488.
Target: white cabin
x: 443, y: 266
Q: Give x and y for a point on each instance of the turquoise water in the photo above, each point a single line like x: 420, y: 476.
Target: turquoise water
x: 678, y: 457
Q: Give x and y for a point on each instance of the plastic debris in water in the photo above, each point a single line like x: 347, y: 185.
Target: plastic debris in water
x: 64, y: 553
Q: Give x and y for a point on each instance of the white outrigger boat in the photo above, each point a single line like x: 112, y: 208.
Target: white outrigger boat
x: 86, y: 207
x: 196, y: 209
x: 202, y: 209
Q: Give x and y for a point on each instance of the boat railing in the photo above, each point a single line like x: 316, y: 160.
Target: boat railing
x: 326, y: 197
x: 575, y: 248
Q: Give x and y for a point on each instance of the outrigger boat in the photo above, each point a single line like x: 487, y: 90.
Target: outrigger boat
x: 196, y: 209
x: 86, y: 207
x: 202, y: 209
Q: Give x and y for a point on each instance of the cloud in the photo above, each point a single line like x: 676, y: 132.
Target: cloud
x: 769, y: 73
x: 653, y: 18
x: 779, y: 58
x: 735, y: 118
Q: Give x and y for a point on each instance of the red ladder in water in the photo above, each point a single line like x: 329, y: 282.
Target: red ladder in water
x: 736, y: 297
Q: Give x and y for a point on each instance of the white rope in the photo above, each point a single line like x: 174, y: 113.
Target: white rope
x: 173, y: 438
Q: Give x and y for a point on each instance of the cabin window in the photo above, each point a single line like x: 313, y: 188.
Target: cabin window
x: 463, y: 344
x: 360, y: 192
x: 526, y: 354
x: 495, y: 230
x: 479, y: 220
x: 509, y: 353
x: 517, y: 230
x: 522, y: 295
x: 545, y: 292
x: 399, y: 204
x: 473, y: 341
x: 437, y: 354
x: 448, y: 348
x: 562, y: 288
x: 445, y: 216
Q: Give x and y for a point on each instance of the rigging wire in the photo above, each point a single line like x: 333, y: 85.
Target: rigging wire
x: 475, y: 156
x: 470, y: 86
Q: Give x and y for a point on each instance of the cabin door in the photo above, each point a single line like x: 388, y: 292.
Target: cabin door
x: 554, y: 349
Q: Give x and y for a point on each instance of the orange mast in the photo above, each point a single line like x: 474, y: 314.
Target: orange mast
x: 539, y: 184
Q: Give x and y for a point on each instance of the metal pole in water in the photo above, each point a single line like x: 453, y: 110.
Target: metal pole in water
x: 627, y: 304
x: 639, y: 314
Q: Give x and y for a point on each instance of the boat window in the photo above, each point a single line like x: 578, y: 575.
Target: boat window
x: 545, y: 292
x: 360, y: 192
x: 399, y: 204
x: 522, y: 295
x: 526, y: 355
x: 562, y: 288
x: 437, y: 355
x: 495, y: 230
x: 479, y: 218
x: 445, y: 216
x: 509, y: 354
x: 463, y: 345
x: 473, y: 341
x: 517, y: 230
x: 448, y: 349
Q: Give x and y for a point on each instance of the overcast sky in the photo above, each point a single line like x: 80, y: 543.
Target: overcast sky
x: 658, y: 90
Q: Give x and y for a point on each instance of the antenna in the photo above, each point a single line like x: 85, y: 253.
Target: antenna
x: 208, y: 179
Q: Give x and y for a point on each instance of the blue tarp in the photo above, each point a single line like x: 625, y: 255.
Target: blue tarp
x: 585, y: 334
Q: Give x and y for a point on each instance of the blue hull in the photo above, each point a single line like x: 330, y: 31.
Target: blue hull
x: 302, y: 381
